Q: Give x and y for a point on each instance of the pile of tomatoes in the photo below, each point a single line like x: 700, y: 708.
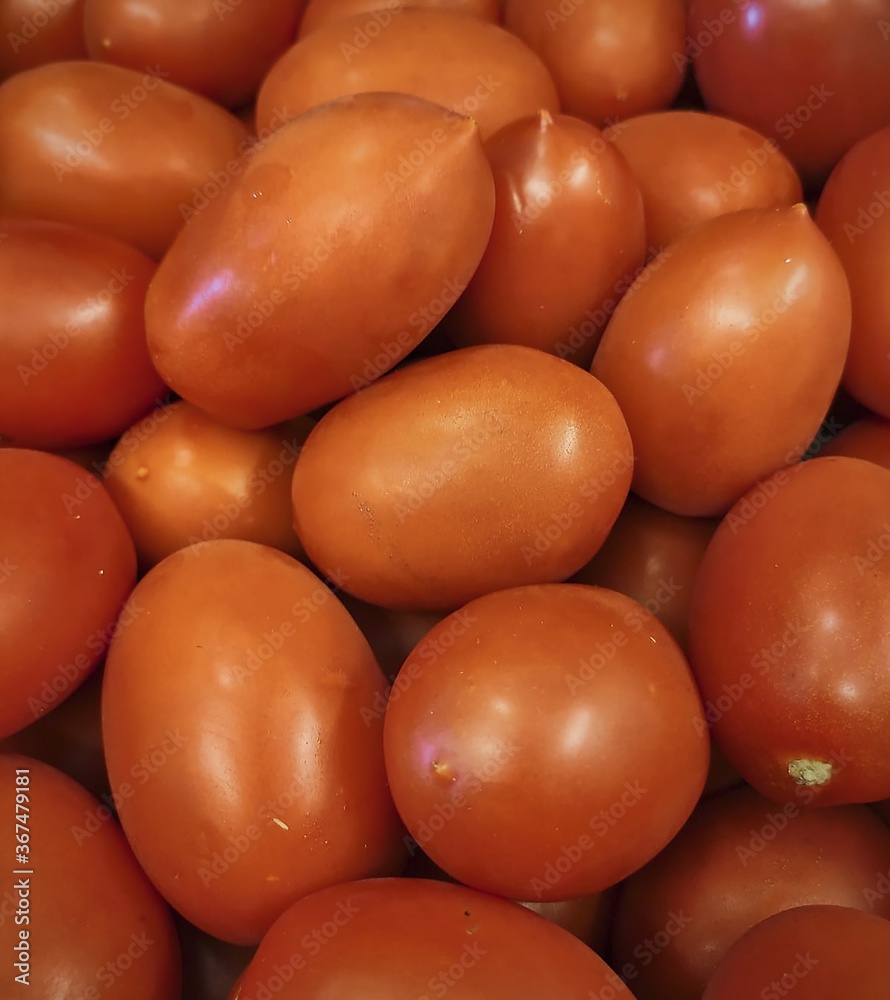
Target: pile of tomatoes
x: 444, y: 499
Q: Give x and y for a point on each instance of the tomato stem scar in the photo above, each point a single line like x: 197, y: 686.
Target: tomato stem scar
x: 810, y: 772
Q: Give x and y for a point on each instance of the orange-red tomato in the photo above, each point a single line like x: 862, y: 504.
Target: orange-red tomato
x: 867, y: 438
x: 78, y: 917
x: 692, y: 167
x: 192, y: 479
x: 568, y: 233
x: 115, y: 150
x: 610, y: 59
x: 466, y: 64
x: 268, y: 305
x: 74, y: 363
x: 39, y: 31
x: 485, y: 468
x: 219, y: 48
x: 245, y: 766
x: 321, y: 12
x: 66, y: 566
x: 724, y: 356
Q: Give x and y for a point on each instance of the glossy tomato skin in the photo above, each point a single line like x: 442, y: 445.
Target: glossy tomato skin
x: 195, y: 480
x: 93, y: 921
x: 815, y: 77
x: 568, y: 234
x: 739, y: 860
x: 867, y: 438
x: 404, y: 487
x: 36, y: 32
x: 243, y: 679
x: 340, y: 942
x: 468, y: 65
x: 491, y: 741
x: 321, y: 12
x: 788, y: 639
x: 830, y: 951
x: 854, y: 213
x: 67, y: 566
x: 724, y: 356
x: 257, y: 320
x: 692, y: 167
x: 122, y: 152
x: 220, y: 50
x: 612, y: 59
x: 74, y: 363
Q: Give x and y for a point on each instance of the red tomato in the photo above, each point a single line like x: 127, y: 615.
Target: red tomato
x: 568, y: 233
x: 724, y: 356
x: 78, y: 917
x: 829, y: 951
x: 814, y: 76
x: 789, y: 631
x: 867, y: 438
x: 610, y: 58
x: 246, y: 767
x: 854, y: 213
x: 74, y: 364
x: 321, y: 12
x: 122, y: 152
x: 491, y: 742
x: 219, y: 48
x: 40, y: 31
x: 739, y: 860
x: 66, y: 567
x: 692, y: 167
x: 448, y: 940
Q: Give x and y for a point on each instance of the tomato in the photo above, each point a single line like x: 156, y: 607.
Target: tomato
x: 218, y: 48
x: 193, y: 479
x: 610, y: 58
x: 340, y: 942
x: 867, y: 438
x: 692, y: 167
x: 66, y: 567
x: 122, y: 152
x: 830, y: 951
x: 490, y: 742
x: 245, y: 770
x: 40, y: 31
x: 74, y: 364
x: 319, y: 13
x: 256, y: 320
x: 401, y: 490
x: 210, y: 967
x: 739, y: 860
x: 466, y: 64
x: 652, y: 556
x: 813, y: 76
x: 78, y: 917
x: 788, y: 638
x: 568, y: 232
x: 725, y: 354
x: 853, y: 214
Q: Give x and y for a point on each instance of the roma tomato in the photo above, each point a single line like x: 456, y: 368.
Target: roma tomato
x: 814, y: 76
x: 246, y: 773
x: 256, y: 319
x: 74, y: 363
x: 854, y: 213
x: 40, y: 31
x: 491, y: 743
x: 194, y: 480
x: 115, y: 150
x: 692, y: 167
x: 568, y: 231
x: 610, y: 58
x: 788, y: 638
x: 216, y: 48
x: 66, y: 566
x: 449, y: 939
x: 318, y: 13
x: 468, y: 65
x: 402, y: 488
x: 78, y: 917
x: 724, y: 356
x: 739, y: 860
x: 830, y: 951
x: 867, y: 438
